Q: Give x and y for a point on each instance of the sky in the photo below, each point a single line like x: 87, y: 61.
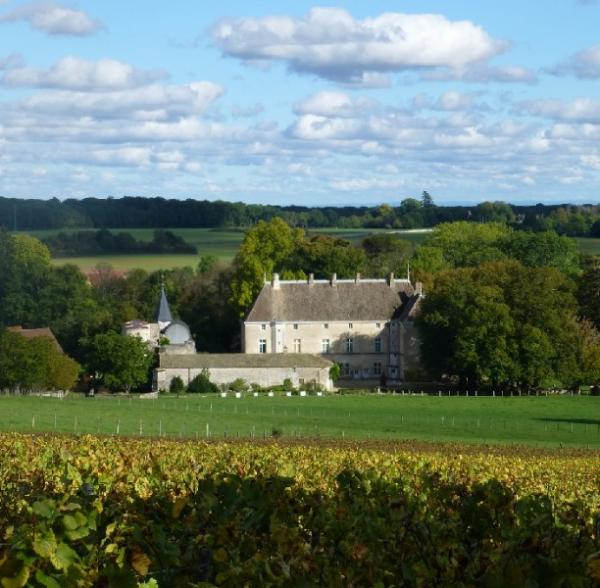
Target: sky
x: 287, y: 102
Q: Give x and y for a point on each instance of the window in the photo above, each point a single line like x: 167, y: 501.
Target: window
x: 378, y: 325
x: 345, y: 369
x: 326, y: 325
x: 349, y: 325
x: 378, y: 345
x: 263, y: 327
x: 297, y: 346
x: 325, y: 345
x: 377, y: 368
x: 349, y: 345
x: 295, y: 326
x: 262, y: 346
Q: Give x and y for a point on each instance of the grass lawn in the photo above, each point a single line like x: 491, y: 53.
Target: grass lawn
x: 539, y: 421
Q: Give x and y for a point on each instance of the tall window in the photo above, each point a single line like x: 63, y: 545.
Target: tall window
x: 262, y: 346
x: 325, y: 345
x: 378, y: 345
x: 377, y: 368
x: 345, y: 369
x: 297, y: 346
x: 349, y: 325
x: 349, y: 344
x: 295, y: 326
x: 263, y: 327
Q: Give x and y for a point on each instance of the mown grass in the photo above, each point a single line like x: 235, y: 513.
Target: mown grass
x: 536, y: 421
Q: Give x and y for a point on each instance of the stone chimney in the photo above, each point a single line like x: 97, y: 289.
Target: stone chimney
x: 357, y: 278
x: 419, y: 288
x: 275, y: 282
x: 311, y: 279
x: 334, y: 279
x: 391, y: 279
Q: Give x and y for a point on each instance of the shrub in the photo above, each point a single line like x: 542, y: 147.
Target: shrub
x: 288, y: 385
x: 238, y: 385
x: 201, y: 384
x: 176, y: 386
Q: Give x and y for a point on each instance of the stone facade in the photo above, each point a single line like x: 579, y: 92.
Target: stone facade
x: 264, y: 370
x: 367, y: 326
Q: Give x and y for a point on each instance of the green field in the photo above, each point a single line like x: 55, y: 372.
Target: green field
x: 224, y: 244
x: 221, y: 243
x: 540, y: 421
x: 589, y: 245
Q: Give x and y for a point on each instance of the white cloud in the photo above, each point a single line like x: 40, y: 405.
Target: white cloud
x: 584, y: 65
x: 483, y: 73
x: 455, y: 101
x: 153, y: 102
x: 127, y: 156
x: 330, y: 43
x: 53, y: 19
x: 11, y: 61
x: 74, y: 73
x: 333, y: 103
x: 578, y: 110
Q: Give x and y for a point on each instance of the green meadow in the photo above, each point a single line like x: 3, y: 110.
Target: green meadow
x: 224, y: 243
x: 221, y: 243
x: 538, y: 421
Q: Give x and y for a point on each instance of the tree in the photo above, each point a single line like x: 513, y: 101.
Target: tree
x: 34, y: 364
x: 501, y: 324
x: 265, y: 249
x: 176, y: 386
x: 588, y: 291
x: 119, y: 361
x: 386, y: 253
x: 201, y: 384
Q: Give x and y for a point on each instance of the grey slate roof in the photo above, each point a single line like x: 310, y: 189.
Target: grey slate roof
x: 164, y: 312
x: 321, y: 301
x: 242, y: 360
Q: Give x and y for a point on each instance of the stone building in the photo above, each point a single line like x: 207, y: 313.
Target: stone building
x: 263, y: 369
x: 172, y: 336
x: 365, y: 325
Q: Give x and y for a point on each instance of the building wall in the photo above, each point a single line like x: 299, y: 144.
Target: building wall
x: 366, y: 361
x: 265, y: 376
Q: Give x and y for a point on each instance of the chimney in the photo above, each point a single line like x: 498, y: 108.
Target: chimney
x: 334, y: 279
x: 311, y: 279
x: 419, y: 288
x: 275, y: 282
x: 391, y: 278
x: 357, y: 278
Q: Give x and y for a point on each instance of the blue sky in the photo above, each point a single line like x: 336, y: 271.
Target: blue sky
x: 301, y: 103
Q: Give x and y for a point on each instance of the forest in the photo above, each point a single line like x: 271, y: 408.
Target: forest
x: 409, y: 213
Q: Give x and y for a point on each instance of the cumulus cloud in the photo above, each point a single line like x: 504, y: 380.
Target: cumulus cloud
x: 484, y: 73
x: 11, y: 61
x: 329, y: 103
x: 53, y: 19
x: 152, y: 102
x: 583, y: 65
x: 74, y: 73
x: 331, y: 43
x: 581, y: 110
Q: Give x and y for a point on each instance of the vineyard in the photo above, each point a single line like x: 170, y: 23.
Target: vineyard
x: 102, y: 511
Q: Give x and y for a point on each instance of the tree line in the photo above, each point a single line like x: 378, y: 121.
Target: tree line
x: 105, y: 242
x: 410, y: 213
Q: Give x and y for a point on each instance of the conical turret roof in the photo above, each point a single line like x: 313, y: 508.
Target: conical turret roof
x: 164, y: 312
